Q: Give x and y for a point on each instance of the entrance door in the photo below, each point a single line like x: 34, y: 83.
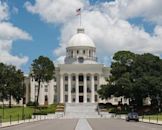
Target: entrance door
x: 46, y: 100
x: 80, y: 98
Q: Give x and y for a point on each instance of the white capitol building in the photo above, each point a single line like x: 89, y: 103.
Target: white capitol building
x: 78, y: 79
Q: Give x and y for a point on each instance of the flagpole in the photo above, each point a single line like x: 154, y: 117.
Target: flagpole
x: 80, y: 18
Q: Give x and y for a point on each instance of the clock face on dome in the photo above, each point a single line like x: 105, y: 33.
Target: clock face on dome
x: 80, y: 59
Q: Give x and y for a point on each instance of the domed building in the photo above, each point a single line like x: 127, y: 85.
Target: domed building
x: 81, y: 75
x: 77, y: 79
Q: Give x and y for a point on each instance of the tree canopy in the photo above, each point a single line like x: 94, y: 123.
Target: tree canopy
x: 11, y: 83
x: 134, y: 76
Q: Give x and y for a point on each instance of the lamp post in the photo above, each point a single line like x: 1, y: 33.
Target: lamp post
x: 158, y: 101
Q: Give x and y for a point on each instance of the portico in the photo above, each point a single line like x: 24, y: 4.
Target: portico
x: 78, y: 87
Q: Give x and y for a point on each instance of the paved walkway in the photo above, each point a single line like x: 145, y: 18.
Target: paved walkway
x: 55, y: 124
x: 83, y: 124
x: 118, y: 124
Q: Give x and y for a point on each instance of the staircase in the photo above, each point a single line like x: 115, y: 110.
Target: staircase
x: 60, y: 110
x: 81, y: 110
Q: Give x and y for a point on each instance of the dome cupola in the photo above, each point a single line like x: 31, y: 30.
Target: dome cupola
x: 81, y: 39
x: 81, y: 49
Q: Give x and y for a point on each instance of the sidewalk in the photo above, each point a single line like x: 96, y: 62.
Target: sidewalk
x: 151, y: 121
x: 141, y: 120
x: 7, y: 124
x: 34, y: 119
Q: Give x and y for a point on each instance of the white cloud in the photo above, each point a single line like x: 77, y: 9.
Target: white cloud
x: 111, y: 36
x: 60, y: 60
x: 149, y: 9
x: 55, y: 11
x: 106, y: 23
x: 4, y: 14
x: 8, y: 34
x: 8, y: 31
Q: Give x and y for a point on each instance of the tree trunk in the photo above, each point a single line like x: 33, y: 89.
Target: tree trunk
x: 37, y: 103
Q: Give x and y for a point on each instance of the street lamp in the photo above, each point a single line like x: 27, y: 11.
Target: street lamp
x: 158, y: 101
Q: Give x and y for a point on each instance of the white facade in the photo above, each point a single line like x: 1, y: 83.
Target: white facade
x: 78, y: 79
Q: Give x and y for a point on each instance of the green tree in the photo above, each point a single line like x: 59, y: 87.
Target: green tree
x: 3, y: 93
x: 42, y: 71
x: 11, y: 83
x: 134, y: 76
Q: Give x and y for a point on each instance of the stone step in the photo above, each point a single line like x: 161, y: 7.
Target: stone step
x: 81, y: 110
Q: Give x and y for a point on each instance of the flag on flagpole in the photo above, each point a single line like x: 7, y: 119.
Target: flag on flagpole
x: 78, y: 11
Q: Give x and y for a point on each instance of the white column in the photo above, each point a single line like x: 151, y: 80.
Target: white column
x: 41, y: 94
x: 61, y: 89
x: 32, y: 88
x: 85, y: 88
x: 69, y: 88
x: 77, y: 90
x: 51, y: 92
x: 99, y: 84
x: 92, y: 88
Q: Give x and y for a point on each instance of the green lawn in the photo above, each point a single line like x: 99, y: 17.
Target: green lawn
x: 16, y: 112
x: 154, y: 117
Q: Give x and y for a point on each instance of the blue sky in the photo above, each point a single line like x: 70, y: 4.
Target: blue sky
x: 45, y: 36
x: 48, y: 34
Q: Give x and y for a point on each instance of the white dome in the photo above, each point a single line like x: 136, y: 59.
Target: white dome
x: 81, y: 39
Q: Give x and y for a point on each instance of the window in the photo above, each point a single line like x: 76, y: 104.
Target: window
x: 73, y: 78
x: 73, y: 99
x: 81, y: 78
x: 95, y: 98
x: 96, y: 87
x: 95, y: 78
x: 88, y: 78
x: 66, y: 98
x: 46, y: 98
x: 46, y: 88
x: 66, y: 87
x: 83, y: 51
x: 77, y: 51
x: 80, y: 89
x: 66, y: 78
x: 73, y: 90
x: 88, y: 90
x: 71, y: 53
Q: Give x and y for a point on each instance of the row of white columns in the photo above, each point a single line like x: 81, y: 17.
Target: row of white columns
x: 77, y: 89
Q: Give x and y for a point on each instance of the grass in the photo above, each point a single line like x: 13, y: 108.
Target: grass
x: 16, y: 112
x: 154, y: 117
